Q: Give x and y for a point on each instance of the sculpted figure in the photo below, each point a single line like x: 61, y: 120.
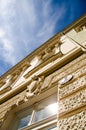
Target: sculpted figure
x: 34, y: 87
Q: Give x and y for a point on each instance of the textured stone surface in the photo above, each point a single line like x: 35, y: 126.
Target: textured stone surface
x: 69, y: 70
x: 72, y: 102
x: 68, y: 89
x: 80, y: 72
x: 75, y: 122
x: 59, y: 74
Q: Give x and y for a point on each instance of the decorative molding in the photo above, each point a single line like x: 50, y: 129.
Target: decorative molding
x: 46, y: 58
x: 4, y: 90
x: 35, y: 86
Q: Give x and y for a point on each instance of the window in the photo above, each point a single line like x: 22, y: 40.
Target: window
x: 45, y: 112
x: 41, y: 115
x: 24, y: 121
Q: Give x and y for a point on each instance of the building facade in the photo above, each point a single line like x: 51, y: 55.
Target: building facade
x: 47, y: 89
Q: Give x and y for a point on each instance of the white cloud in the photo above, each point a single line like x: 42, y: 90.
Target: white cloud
x: 25, y: 25
x: 7, y: 51
x: 2, y: 33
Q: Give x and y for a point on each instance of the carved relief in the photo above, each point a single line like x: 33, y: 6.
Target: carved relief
x: 48, y: 53
x: 40, y: 58
x: 34, y: 87
x: 15, y: 76
x: 80, y: 28
x: 6, y: 85
x: 73, y: 102
x: 25, y: 65
x: 75, y: 122
x: 35, y: 61
x: 81, y: 82
x: 57, y: 49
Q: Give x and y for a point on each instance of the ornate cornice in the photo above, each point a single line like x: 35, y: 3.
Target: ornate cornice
x: 51, y: 42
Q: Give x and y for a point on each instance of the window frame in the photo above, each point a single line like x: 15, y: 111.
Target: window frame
x: 43, y: 124
x: 49, y: 121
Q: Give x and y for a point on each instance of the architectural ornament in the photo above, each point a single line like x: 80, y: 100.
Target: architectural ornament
x: 34, y: 87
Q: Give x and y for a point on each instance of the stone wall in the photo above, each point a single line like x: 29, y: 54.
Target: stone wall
x: 71, y: 95
x: 74, y: 122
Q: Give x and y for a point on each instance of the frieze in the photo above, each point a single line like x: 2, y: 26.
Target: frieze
x: 72, y: 102
x: 47, y: 53
x: 74, y: 86
x: 51, y: 51
x: 75, y: 122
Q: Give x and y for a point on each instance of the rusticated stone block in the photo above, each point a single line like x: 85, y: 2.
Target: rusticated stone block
x: 80, y: 72
x: 74, y: 69
x: 75, y: 122
x: 72, y: 102
x: 68, y: 89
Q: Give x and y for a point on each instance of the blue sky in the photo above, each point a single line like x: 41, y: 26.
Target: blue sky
x: 26, y: 24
